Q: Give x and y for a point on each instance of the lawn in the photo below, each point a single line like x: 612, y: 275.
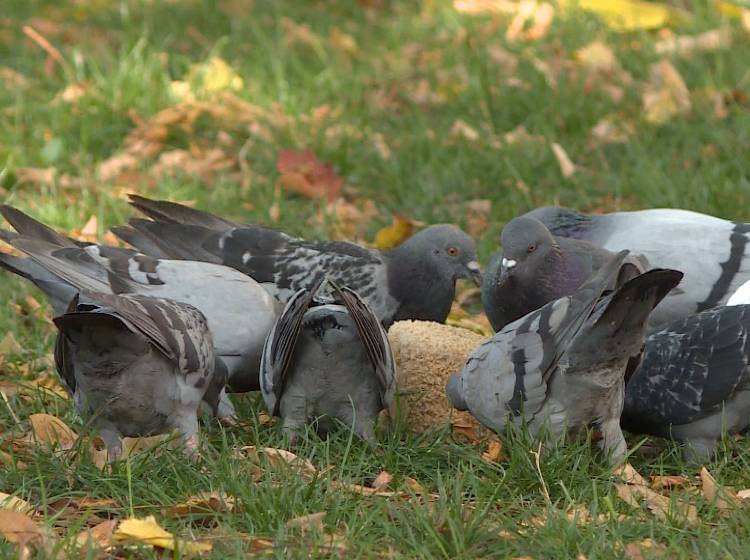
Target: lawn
x: 426, y: 112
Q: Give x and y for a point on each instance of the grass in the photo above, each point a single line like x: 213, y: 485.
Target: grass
x: 412, y: 70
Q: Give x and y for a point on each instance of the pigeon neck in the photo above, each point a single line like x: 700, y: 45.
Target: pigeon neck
x: 422, y: 290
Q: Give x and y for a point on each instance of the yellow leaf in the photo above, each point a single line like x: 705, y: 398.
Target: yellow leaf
x: 15, y: 503
x: 52, y: 431
x: 207, y: 78
x: 567, y: 167
x: 629, y: 15
x: 147, y: 531
x: 390, y: 236
x: 665, y: 95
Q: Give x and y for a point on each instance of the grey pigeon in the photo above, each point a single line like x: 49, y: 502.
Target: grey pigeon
x: 535, y: 267
x: 416, y: 280
x: 713, y: 253
x: 562, y: 366
x: 239, y: 311
x: 693, y: 383
x: 136, y: 365
x: 328, y: 361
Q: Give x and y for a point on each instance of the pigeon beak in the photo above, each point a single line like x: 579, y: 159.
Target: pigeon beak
x: 474, y: 272
x: 506, y: 266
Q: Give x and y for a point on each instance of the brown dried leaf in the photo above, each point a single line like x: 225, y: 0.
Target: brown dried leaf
x: 36, y: 176
x: 461, y: 130
x: 659, y: 505
x: 494, y: 451
x: 19, y: 528
x: 9, y: 345
x: 668, y: 481
x: 15, y: 503
x: 540, y: 14
x: 98, y: 536
x: 303, y: 173
x: 73, y: 92
x: 262, y: 456
x: 311, y: 521
x: 665, y: 95
x: 478, y: 216
x: 52, y: 431
x: 382, y: 481
x: 612, y: 131
x: 413, y: 485
x: 393, y: 235
x: 715, y: 494
x: 628, y: 474
x: 202, y: 504
x: 567, y: 167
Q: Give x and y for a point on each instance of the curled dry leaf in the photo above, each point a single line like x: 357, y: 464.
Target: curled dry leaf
x: 147, y: 531
x: 668, y: 481
x: 382, y: 481
x: 567, y: 167
x: 98, y: 536
x: 722, y: 498
x: 494, y: 452
x: 50, y: 430
x: 202, y: 504
x: 303, y: 173
x: 15, y: 503
x: 665, y: 95
x: 279, y: 458
x: 390, y: 236
x: 311, y: 521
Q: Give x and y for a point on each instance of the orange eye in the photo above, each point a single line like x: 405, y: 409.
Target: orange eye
x: 531, y: 248
x: 452, y: 251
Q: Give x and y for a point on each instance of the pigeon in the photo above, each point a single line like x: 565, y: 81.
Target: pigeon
x: 239, y: 311
x: 561, y: 368
x: 136, y: 365
x: 693, y: 383
x: 713, y: 253
x: 327, y: 359
x: 535, y: 267
x: 741, y: 295
x: 415, y: 280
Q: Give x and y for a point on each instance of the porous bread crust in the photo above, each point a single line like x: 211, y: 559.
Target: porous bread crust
x: 426, y: 355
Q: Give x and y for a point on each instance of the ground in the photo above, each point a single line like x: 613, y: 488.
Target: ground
x: 424, y: 111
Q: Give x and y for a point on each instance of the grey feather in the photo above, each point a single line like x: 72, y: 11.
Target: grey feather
x: 414, y: 281
x: 135, y: 365
x: 713, y: 253
x: 561, y: 367
x: 693, y: 383
x: 328, y: 361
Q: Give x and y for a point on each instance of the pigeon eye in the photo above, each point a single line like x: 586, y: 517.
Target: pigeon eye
x: 452, y: 251
x: 531, y: 248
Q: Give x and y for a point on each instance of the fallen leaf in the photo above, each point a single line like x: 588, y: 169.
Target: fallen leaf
x: 393, y: 235
x: 478, y: 216
x: 598, y: 56
x: 687, y: 45
x: 307, y: 522
x: 462, y: 131
x: 628, y: 474
x: 381, y: 146
x: 51, y: 430
x: 744, y: 494
x: 665, y: 95
x: 540, y: 16
x: 567, y: 167
x: 202, y: 504
x: 715, y: 494
x: 634, y: 551
x: 612, y: 131
x: 19, y: 528
x: 303, y: 173
x: 299, y: 33
x: 659, y: 505
x: 278, y: 458
x: 413, y: 485
x: 629, y: 15
x: 147, y: 531
x: 98, y: 536
x: 363, y: 490
x: 9, y: 345
x: 206, y: 79
x: 668, y: 481
x: 73, y: 92
x: 382, y: 481
x: 15, y: 503
x: 520, y: 135
x: 13, y: 78
x: 343, y: 42
x: 494, y: 451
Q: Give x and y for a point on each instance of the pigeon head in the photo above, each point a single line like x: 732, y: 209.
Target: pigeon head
x: 450, y: 251
x: 526, y: 245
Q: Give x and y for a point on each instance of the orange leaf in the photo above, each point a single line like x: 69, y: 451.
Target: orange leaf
x: 303, y: 173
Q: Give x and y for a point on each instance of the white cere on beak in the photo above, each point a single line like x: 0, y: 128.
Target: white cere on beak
x: 473, y: 266
x: 509, y: 263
